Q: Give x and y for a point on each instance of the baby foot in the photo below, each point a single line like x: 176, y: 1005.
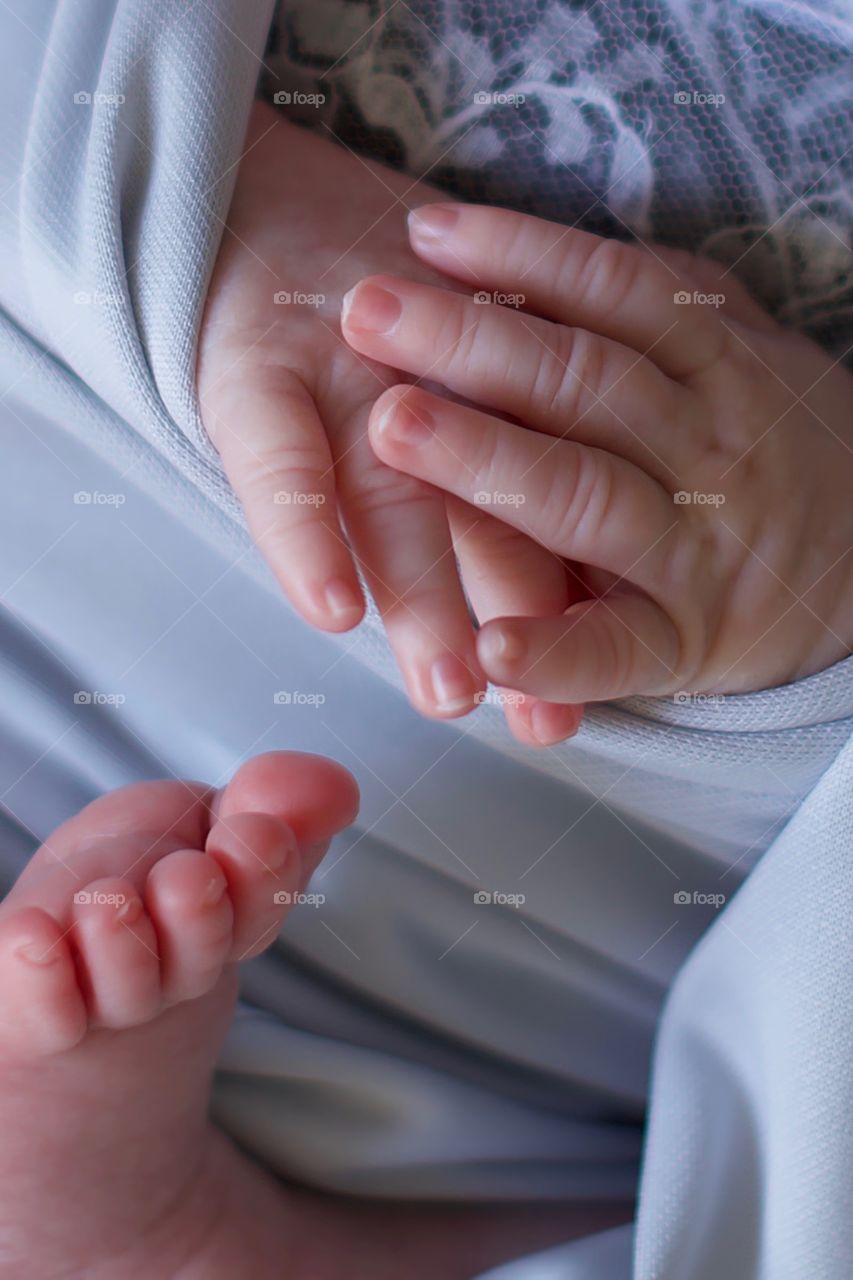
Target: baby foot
x: 118, y: 954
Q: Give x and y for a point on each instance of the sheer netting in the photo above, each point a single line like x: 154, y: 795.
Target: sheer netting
x: 722, y: 127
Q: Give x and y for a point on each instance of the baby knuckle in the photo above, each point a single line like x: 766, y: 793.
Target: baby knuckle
x: 382, y: 491
x: 459, y: 337
x: 577, y: 502
x: 565, y: 376
x: 556, y: 499
x: 609, y: 274
x: 292, y: 467
x: 594, y: 495
x: 614, y: 645
x: 490, y: 461
x: 517, y: 242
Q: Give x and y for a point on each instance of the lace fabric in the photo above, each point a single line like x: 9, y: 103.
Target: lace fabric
x: 715, y: 125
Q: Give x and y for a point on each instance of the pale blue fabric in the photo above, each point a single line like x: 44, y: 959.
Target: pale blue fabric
x: 747, y: 1164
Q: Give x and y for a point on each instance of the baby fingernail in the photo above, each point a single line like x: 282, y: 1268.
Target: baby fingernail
x: 432, y: 222
x: 500, y: 646
x: 551, y: 723
x: 452, y: 684
x: 368, y: 308
x: 341, y: 599
x: 402, y: 422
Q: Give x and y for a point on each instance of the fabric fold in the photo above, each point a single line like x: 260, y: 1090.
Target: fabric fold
x: 122, y: 143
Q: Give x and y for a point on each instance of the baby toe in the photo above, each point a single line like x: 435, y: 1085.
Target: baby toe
x: 41, y: 1008
x: 314, y: 796
x: 187, y: 898
x: 117, y: 954
x: 259, y: 856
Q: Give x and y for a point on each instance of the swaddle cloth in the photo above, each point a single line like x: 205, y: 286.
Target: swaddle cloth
x: 122, y: 130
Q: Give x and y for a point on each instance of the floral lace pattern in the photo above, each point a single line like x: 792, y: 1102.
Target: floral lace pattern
x: 718, y: 125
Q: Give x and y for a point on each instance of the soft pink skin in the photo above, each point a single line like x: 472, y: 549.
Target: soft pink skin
x: 109, y: 1034
x: 612, y: 398
x: 286, y: 402
x: 109, y: 1026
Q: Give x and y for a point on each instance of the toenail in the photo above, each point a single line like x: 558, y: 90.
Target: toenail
x: 276, y: 857
x: 214, y: 891
x: 368, y: 308
x: 34, y: 954
x: 129, y: 911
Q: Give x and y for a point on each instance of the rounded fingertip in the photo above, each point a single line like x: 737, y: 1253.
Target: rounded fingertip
x: 453, y: 684
x: 446, y: 688
x: 500, y: 648
x: 432, y: 224
x: 401, y: 416
x: 336, y: 605
x: 343, y: 602
x: 371, y: 308
x: 552, y: 722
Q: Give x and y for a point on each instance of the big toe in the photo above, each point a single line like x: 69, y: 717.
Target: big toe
x: 315, y: 796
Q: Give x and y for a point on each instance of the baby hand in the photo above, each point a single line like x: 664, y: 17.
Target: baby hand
x: 286, y: 404
x: 668, y: 447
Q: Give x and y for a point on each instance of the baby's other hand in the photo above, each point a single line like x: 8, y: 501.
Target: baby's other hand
x: 680, y: 455
x: 286, y: 404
